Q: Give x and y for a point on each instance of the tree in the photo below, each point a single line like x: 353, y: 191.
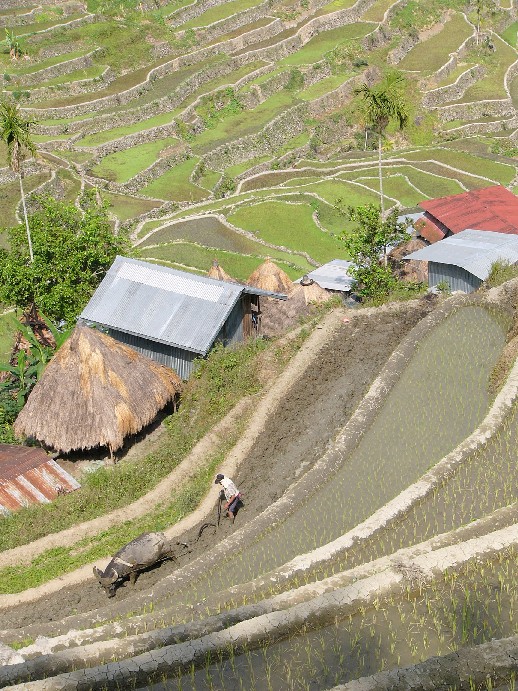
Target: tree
x: 14, y: 130
x: 367, y: 246
x: 13, y: 44
x: 382, y: 103
x: 73, y: 250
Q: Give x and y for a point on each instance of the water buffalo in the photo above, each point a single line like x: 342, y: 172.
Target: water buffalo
x: 144, y: 551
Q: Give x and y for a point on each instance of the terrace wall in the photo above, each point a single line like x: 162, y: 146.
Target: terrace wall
x: 58, y: 70
x: 31, y: 16
x: 452, y: 92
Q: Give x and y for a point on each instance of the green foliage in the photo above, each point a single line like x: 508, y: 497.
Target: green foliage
x: 218, y: 106
x: 295, y: 80
x: 73, y: 249
x: 367, y: 246
x: 225, y: 187
x: 500, y: 272
x: 413, y: 16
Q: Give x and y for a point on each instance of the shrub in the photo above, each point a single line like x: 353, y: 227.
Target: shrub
x: 500, y: 272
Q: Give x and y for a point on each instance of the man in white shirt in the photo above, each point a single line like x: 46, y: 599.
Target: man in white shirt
x: 232, y: 494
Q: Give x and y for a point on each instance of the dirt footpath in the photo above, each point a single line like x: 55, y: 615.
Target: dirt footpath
x: 314, y: 408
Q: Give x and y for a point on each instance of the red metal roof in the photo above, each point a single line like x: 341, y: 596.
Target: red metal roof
x: 29, y: 476
x: 491, y: 208
x: 428, y: 230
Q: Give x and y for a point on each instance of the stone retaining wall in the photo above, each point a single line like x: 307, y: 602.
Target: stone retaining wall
x: 77, y: 87
x: 483, y: 127
x: 58, y: 70
x: 476, y: 110
x: 453, y: 92
x: 68, y: 8
x: 270, y: 138
x: 235, y: 21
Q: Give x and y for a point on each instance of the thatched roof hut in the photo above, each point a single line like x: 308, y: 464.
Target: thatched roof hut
x: 313, y: 293
x: 268, y: 276
x: 216, y: 271
x: 94, y: 392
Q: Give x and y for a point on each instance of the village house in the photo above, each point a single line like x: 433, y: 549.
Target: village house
x: 171, y: 316
x: 463, y: 261
x: 490, y: 209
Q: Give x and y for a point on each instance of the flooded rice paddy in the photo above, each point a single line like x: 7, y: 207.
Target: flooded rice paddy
x: 464, y: 608
x: 438, y: 401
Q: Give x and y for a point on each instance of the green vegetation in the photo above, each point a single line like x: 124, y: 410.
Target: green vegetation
x: 219, y: 12
x: 429, y: 55
x: 123, y: 165
x: 368, y: 244
x: 175, y: 184
x: 501, y: 271
x: 288, y: 225
x: 7, y: 334
x: 126, y: 207
x: 317, y: 47
x: 71, y: 250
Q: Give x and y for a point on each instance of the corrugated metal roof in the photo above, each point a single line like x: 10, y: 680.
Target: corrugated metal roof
x: 472, y: 250
x: 333, y: 275
x: 163, y: 304
x: 491, y: 208
x: 428, y: 230
x: 29, y: 476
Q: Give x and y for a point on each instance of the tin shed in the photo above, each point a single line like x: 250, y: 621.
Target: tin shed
x: 171, y: 316
x: 464, y: 260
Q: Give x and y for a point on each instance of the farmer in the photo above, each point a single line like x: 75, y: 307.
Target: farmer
x: 232, y: 494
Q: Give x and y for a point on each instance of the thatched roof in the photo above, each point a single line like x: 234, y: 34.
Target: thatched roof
x: 94, y: 392
x: 409, y: 269
x: 278, y: 316
x: 268, y: 276
x: 217, y: 272
x: 314, y: 293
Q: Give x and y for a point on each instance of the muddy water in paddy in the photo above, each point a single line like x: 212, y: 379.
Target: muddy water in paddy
x: 471, y: 609
x: 439, y: 400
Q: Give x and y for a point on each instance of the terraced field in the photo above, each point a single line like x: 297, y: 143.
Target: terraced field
x: 231, y: 130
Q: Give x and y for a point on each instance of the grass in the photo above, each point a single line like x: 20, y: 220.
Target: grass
x: 323, y: 86
x: 10, y: 197
x: 334, y: 6
x: 92, y: 72
x: 376, y: 11
x: 239, y: 168
x: 397, y: 187
x: 474, y: 165
x: 318, y: 46
x: 246, y: 122
x: 123, y: 165
x: 175, y: 184
x: 126, y: 207
x: 7, y: 334
x: 491, y: 85
x: 429, y: 55
x: 510, y: 34
x: 219, y: 12
x: 288, y: 225
x: 104, y: 136
x: 239, y: 266
x: 48, y: 62
x: 455, y: 74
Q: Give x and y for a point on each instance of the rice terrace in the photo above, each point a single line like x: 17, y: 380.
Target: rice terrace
x: 206, y: 207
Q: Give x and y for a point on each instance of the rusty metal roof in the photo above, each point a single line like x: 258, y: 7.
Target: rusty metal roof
x: 29, y: 476
x: 491, y: 208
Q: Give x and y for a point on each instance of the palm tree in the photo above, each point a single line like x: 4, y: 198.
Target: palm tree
x: 14, y: 130
x: 383, y: 102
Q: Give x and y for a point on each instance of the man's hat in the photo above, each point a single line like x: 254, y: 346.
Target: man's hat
x: 219, y: 477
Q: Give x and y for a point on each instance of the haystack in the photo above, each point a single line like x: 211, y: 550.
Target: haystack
x: 313, y: 293
x: 268, y: 276
x: 278, y: 316
x: 216, y: 271
x: 95, y: 392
